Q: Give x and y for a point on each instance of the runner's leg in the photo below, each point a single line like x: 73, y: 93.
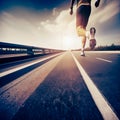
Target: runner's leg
x: 82, y: 16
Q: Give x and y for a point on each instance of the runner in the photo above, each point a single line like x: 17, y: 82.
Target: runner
x: 82, y: 16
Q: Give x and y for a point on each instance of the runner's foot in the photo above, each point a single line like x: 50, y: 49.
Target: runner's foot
x: 82, y: 53
x: 92, y: 44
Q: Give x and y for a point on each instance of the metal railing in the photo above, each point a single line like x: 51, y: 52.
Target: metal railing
x: 9, y: 48
x: 14, y: 52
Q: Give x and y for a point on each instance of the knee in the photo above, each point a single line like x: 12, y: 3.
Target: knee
x: 81, y: 31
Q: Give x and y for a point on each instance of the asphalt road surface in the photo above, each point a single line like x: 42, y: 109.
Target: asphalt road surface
x: 63, y: 86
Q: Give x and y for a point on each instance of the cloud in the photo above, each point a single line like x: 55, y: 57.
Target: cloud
x: 110, y: 11
x: 18, y: 30
x: 54, y: 12
x: 62, y: 27
x: 63, y: 23
x: 105, y: 13
x: 31, y: 29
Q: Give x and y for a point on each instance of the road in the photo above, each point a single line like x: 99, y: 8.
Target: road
x: 64, y: 86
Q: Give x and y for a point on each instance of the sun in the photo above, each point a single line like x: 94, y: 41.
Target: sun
x: 68, y: 43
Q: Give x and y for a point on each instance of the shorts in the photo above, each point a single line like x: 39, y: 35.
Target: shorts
x: 82, y: 15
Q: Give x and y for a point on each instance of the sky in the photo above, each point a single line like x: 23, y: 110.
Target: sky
x: 47, y: 23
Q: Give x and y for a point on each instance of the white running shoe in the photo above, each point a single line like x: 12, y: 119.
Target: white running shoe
x: 82, y: 53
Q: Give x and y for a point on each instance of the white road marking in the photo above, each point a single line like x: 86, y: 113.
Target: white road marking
x: 103, y: 106
x: 109, y: 52
x: 24, y: 66
x: 104, y: 60
x: 14, y: 95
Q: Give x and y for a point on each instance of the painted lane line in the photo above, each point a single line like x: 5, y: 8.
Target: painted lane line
x: 14, y: 95
x: 24, y: 66
x: 104, y: 60
x: 103, y: 106
x: 108, y: 52
x: 29, y: 74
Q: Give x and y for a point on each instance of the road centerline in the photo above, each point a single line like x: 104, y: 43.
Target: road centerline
x: 103, y: 106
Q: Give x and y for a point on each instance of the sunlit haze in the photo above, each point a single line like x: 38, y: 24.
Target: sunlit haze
x: 51, y: 26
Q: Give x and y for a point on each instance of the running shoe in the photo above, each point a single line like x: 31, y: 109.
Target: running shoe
x: 82, y: 53
x: 92, y: 44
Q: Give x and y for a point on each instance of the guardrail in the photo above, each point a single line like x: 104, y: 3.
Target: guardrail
x: 14, y: 52
x: 9, y: 48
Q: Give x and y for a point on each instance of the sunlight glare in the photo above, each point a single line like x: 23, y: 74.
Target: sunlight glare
x: 68, y: 43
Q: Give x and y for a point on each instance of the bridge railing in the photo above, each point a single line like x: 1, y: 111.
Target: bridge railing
x: 14, y: 52
x: 9, y: 48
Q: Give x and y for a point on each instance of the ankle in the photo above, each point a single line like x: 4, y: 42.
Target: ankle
x: 82, y: 49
